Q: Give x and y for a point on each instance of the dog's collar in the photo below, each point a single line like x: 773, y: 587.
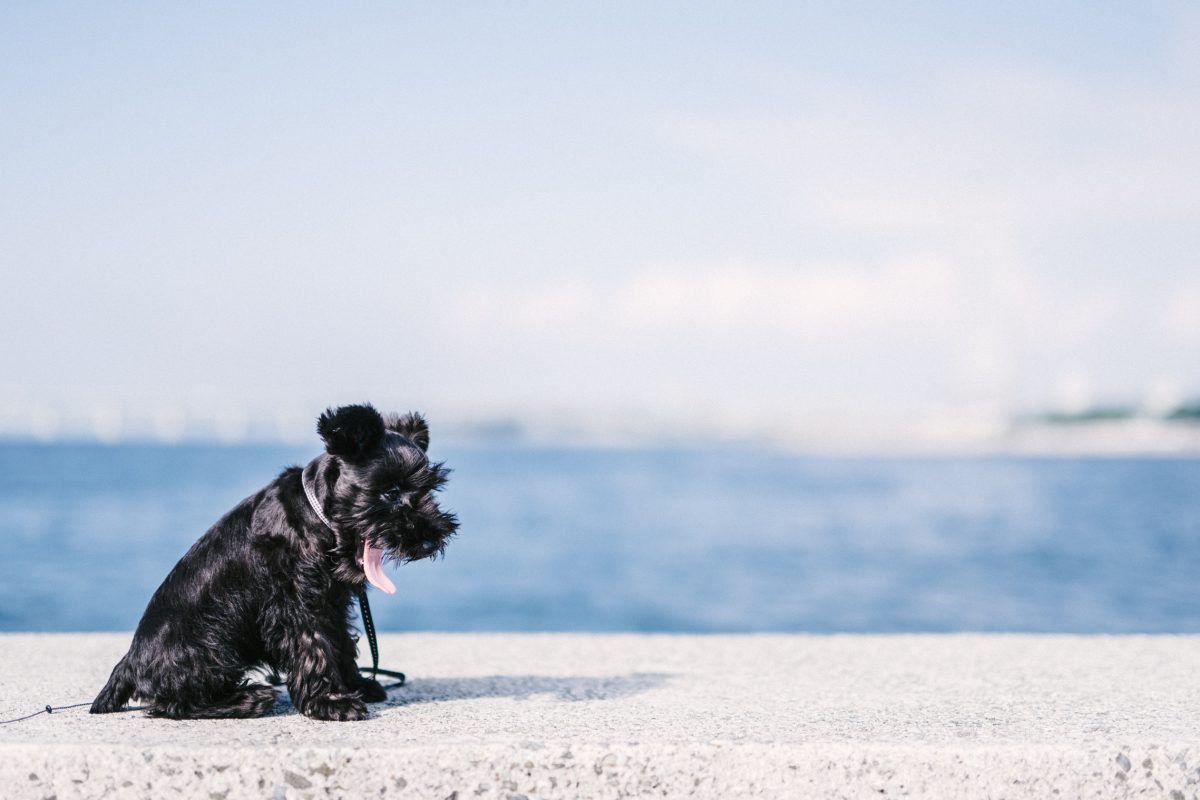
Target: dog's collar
x: 312, y: 498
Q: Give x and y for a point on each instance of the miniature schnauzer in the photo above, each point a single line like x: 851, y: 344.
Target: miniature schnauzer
x: 269, y: 586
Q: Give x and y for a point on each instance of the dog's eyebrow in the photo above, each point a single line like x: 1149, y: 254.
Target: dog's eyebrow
x: 405, y: 463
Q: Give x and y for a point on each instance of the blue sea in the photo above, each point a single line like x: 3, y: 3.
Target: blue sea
x: 689, y: 540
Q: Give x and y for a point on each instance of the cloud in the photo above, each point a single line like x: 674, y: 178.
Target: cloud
x: 765, y: 338
x: 1181, y: 317
x: 820, y: 303
x: 988, y: 147
x: 815, y: 303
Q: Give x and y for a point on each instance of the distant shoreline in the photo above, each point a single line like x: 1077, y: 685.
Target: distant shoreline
x: 1132, y: 437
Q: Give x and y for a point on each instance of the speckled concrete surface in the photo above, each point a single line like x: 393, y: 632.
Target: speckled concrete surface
x: 564, y: 715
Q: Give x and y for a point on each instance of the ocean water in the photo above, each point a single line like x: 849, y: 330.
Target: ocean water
x: 654, y: 540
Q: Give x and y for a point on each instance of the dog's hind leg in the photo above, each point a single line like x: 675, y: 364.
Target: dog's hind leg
x: 247, y: 700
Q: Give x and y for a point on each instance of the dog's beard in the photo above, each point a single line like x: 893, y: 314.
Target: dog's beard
x: 387, y: 535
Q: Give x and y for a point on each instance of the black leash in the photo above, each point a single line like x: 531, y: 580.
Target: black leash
x: 49, y: 709
x: 364, y: 606
x: 369, y: 628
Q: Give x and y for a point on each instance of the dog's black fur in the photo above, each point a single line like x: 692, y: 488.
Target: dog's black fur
x: 270, y: 585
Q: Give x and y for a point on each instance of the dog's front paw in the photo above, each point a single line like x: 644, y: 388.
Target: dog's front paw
x: 371, y: 690
x: 336, y: 708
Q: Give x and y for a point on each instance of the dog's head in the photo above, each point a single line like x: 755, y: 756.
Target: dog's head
x: 384, y: 491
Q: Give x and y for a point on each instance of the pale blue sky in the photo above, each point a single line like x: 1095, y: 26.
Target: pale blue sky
x: 929, y: 215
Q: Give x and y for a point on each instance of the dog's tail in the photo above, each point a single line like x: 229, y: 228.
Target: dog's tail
x: 117, y: 691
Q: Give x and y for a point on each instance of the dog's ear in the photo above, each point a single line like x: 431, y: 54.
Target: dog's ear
x: 351, y: 431
x: 412, y: 425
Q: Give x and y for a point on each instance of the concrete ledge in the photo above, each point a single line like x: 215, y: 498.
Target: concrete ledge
x: 566, y: 715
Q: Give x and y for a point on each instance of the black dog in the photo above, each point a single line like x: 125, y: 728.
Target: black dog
x: 270, y: 585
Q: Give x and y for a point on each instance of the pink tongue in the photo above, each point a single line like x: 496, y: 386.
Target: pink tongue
x: 373, y: 567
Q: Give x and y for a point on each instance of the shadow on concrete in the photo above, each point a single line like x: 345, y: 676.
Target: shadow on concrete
x: 522, y: 687
x: 518, y: 687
